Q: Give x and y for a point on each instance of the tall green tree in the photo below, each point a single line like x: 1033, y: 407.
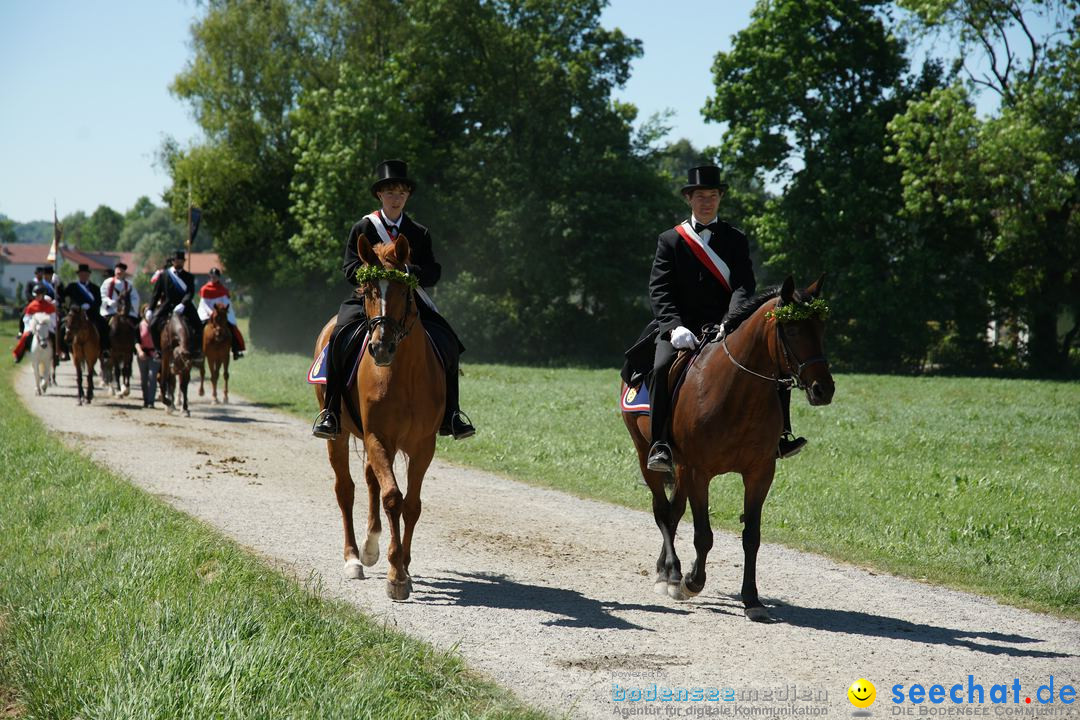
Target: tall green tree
x: 1011, y: 180
x: 806, y: 93
x: 103, y: 228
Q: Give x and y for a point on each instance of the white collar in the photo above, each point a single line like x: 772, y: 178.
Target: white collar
x: 693, y: 219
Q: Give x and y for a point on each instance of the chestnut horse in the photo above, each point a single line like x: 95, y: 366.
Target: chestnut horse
x: 727, y: 418
x: 176, y: 351
x: 85, y: 343
x: 122, y: 335
x: 217, y: 341
x: 400, y: 392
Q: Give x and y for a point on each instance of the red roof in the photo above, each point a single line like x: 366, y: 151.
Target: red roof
x: 35, y: 253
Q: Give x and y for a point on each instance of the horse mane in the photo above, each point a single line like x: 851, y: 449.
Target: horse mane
x: 739, y: 315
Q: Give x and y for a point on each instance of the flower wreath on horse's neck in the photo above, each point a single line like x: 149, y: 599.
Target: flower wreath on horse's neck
x: 794, y: 311
x: 371, y: 273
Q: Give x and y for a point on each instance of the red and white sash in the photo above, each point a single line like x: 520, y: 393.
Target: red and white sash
x: 705, y: 254
x: 380, y: 226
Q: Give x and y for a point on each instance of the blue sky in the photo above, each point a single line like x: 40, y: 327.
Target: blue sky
x: 86, y: 101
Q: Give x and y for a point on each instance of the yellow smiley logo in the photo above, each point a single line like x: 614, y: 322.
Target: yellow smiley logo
x: 862, y: 693
x: 630, y: 395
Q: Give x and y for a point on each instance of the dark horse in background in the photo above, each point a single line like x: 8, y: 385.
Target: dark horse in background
x: 122, y: 336
x: 177, y: 350
x: 401, y: 394
x: 727, y: 418
x: 85, y: 343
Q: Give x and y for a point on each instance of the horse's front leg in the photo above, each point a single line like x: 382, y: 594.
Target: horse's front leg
x: 225, y: 373
x: 697, y: 491
x: 202, y: 378
x: 344, y: 489
x: 667, y: 513
x: 380, y: 461
x: 184, y: 380
x: 756, y: 484
x: 419, y: 460
x: 90, y: 381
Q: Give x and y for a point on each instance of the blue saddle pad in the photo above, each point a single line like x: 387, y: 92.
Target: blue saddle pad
x: 635, y: 400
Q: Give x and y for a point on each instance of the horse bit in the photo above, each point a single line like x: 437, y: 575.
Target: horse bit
x: 792, y: 380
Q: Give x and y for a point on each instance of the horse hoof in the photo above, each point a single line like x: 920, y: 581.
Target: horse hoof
x: 398, y: 591
x: 687, y: 591
x: 370, y: 555
x: 677, y: 591
x: 353, y: 571
x: 758, y: 614
x: 201, y: 393
x: 187, y: 413
x: 214, y: 401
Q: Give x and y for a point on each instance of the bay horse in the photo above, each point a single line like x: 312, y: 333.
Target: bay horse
x: 176, y: 351
x: 217, y: 342
x: 401, y: 393
x: 41, y: 351
x: 727, y: 418
x: 85, y: 343
x: 122, y: 337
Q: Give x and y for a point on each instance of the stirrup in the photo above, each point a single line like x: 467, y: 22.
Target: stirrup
x: 461, y: 426
x: 661, y: 459
x: 326, y: 425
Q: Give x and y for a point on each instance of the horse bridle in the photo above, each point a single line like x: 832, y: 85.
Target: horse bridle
x: 395, y: 327
x: 793, y: 379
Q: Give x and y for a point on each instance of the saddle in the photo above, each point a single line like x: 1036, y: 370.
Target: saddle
x: 635, y: 399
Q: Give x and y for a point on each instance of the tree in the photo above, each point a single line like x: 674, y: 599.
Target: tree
x: 102, y: 229
x: 806, y: 93
x: 74, y: 230
x: 1013, y: 178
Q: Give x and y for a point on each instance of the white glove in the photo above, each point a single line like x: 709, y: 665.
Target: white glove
x: 86, y: 306
x: 179, y: 309
x: 683, y: 339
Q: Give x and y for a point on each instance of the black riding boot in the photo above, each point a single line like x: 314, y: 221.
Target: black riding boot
x: 789, y: 444
x: 661, y: 458
x: 455, y: 422
x: 327, y: 423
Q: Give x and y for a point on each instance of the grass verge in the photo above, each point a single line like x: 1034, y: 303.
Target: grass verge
x: 966, y: 482
x: 113, y: 605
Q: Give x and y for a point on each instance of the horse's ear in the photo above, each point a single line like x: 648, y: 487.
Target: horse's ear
x: 787, y: 291
x: 364, y: 250
x: 815, y: 288
x: 401, y: 249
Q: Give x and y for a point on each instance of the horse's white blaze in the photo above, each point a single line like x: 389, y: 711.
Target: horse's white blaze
x: 383, y: 285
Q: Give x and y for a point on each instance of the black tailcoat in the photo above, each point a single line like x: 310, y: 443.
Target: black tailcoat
x: 682, y: 291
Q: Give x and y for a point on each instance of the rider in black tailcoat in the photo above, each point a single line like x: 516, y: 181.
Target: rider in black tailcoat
x: 87, y: 295
x: 174, y: 291
x: 701, y: 271
x: 392, y: 188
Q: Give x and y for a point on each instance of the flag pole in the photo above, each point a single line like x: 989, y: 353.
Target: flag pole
x: 187, y: 241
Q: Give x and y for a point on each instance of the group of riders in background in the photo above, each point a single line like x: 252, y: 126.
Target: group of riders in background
x: 114, y: 308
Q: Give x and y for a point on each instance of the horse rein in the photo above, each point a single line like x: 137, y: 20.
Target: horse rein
x: 792, y: 380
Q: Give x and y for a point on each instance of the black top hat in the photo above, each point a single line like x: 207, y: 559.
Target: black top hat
x: 215, y: 272
x: 47, y: 269
x: 392, y: 171
x: 703, y: 177
x: 83, y: 267
x: 178, y: 255
x: 39, y: 269
x: 120, y: 264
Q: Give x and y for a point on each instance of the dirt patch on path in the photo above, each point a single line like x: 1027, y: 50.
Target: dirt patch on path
x: 551, y: 595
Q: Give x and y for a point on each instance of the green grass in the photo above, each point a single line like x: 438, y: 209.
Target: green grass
x: 113, y: 605
x: 971, y: 483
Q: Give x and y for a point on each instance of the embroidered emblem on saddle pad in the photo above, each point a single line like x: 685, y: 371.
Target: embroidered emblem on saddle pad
x: 635, y: 399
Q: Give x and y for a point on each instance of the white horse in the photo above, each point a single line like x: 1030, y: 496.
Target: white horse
x: 41, y: 351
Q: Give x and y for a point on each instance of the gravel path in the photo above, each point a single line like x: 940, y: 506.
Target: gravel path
x: 552, y: 596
